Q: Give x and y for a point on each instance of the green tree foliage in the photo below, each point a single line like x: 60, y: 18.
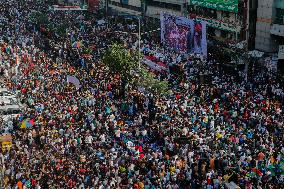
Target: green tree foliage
x: 148, y: 81
x: 119, y: 60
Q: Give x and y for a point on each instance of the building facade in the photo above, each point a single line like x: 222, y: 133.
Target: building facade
x: 148, y: 8
x: 153, y: 8
x: 230, y: 23
x: 91, y: 5
x: 270, y: 26
x: 73, y: 2
x: 132, y: 7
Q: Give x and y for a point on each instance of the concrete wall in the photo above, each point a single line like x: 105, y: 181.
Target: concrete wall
x: 156, y: 11
x: 179, y: 2
x: 136, y: 3
x: 265, y: 14
x: 124, y: 9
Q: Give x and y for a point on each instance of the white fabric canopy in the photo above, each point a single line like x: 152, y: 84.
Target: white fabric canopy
x: 153, y: 65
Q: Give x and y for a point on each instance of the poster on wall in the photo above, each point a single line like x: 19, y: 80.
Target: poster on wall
x: 183, y: 35
x: 225, y: 5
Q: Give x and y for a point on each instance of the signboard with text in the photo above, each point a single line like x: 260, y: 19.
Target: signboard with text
x: 220, y: 25
x: 225, y: 5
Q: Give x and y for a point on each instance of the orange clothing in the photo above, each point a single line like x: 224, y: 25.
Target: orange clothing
x: 261, y: 156
x: 212, y: 164
x: 20, y: 185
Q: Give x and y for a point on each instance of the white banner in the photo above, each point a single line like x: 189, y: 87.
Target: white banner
x: 67, y: 8
x: 153, y: 65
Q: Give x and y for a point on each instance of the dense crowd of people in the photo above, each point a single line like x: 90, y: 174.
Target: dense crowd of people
x: 197, y: 136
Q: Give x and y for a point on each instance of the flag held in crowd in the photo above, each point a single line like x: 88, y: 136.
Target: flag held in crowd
x: 73, y: 80
x: 77, y: 44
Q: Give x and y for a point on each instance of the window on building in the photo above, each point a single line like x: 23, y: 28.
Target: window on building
x: 223, y: 34
x: 210, y: 32
x: 279, y: 18
x: 164, y: 5
x: 119, y: 4
x: 203, y: 12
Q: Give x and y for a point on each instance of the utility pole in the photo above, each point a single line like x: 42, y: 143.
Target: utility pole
x: 2, y: 171
x: 247, y: 5
x: 106, y: 12
x: 139, y: 42
x: 106, y: 8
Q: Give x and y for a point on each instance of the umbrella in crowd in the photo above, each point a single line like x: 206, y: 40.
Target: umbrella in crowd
x: 27, y: 124
x: 77, y: 44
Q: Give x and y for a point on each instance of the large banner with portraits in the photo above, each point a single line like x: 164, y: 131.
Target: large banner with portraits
x: 183, y: 35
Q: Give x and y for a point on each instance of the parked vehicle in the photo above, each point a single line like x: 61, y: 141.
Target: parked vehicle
x: 8, y: 112
x: 4, y: 92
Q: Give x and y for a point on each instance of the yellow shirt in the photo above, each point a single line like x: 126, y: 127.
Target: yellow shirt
x: 226, y: 177
x: 172, y: 170
x: 141, y: 185
x: 219, y: 136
